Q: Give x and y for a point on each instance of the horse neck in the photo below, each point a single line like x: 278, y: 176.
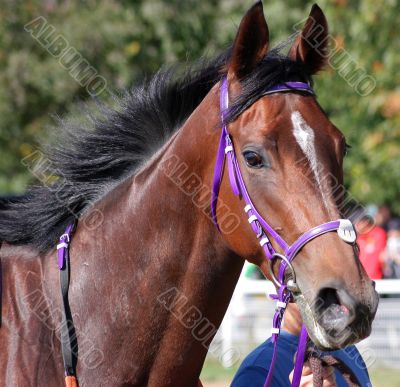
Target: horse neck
x: 209, y: 270
x: 180, y: 178
x: 175, y: 247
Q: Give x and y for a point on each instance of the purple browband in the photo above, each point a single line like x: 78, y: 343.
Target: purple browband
x: 263, y: 230
x: 290, y: 86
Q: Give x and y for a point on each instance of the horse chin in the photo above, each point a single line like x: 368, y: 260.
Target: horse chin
x: 317, y: 333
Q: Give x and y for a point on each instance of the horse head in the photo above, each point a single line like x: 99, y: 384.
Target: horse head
x: 290, y: 158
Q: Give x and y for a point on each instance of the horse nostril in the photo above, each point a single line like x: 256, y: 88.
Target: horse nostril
x: 334, y: 310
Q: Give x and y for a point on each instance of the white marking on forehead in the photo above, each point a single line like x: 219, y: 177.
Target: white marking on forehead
x: 305, y: 137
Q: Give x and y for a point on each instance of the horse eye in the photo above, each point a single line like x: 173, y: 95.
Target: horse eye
x: 253, y: 159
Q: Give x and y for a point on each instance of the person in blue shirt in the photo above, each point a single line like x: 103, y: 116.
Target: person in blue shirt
x: 254, y: 369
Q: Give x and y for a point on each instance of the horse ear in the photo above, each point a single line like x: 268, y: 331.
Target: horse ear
x: 311, y: 46
x: 251, y: 42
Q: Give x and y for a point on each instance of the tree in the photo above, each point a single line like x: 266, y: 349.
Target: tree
x: 125, y: 40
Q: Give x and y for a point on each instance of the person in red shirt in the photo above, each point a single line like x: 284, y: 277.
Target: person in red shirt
x: 372, y: 242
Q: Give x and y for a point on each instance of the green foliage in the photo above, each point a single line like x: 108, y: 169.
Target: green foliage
x: 125, y: 40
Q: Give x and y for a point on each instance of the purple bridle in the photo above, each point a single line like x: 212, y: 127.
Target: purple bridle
x: 265, y: 232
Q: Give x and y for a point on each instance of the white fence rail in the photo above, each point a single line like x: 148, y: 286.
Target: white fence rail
x: 248, y: 320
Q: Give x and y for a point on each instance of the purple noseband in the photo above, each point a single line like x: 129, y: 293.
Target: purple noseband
x: 264, y: 232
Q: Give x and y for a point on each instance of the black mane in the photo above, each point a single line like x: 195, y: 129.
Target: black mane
x: 88, y: 159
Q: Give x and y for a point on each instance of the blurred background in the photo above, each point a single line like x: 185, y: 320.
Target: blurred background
x: 124, y: 41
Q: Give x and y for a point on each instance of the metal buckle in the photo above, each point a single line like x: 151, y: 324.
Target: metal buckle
x: 291, y: 284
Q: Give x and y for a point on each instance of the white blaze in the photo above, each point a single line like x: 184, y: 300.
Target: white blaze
x: 305, y: 137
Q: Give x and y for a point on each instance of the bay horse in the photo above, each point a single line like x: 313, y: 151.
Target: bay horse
x: 150, y: 272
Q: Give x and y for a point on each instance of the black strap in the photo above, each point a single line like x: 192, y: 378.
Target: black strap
x: 69, y: 344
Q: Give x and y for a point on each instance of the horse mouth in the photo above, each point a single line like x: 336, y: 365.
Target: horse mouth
x: 345, y: 332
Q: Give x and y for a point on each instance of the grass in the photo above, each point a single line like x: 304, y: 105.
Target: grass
x: 385, y: 377
x: 380, y: 376
x: 213, y: 371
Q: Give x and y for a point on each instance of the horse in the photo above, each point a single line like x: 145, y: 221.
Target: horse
x: 151, y: 274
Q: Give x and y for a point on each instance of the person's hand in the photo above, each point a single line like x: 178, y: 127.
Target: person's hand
x: 307, y: 377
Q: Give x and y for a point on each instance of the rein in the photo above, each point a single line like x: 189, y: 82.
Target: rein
x: 68, y: 336
x: 265, y: 232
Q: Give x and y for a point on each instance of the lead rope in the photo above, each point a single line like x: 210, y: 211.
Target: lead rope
x: 318, y: 363
x: 68, y: 336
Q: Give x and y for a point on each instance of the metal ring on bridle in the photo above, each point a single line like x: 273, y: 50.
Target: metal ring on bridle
x: 289, y: 265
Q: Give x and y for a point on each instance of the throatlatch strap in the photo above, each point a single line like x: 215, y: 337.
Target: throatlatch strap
x: 68, y: 336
